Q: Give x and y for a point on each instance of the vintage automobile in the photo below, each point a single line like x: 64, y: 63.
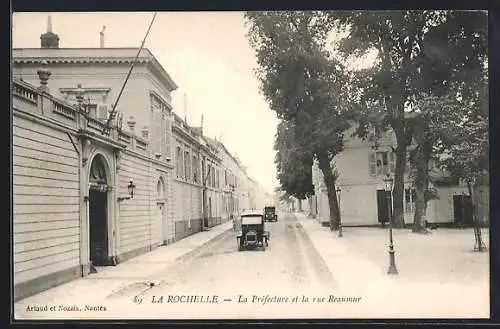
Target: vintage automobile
x: 270, y: 214
x: 252, y: 234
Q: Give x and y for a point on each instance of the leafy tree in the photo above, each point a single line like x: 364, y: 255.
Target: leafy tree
x: 453, y: 83
x: 304, y: 85
x: 293, y: 165
x: 430, y: 122
x: 467, y: 150
x: 416, y: 51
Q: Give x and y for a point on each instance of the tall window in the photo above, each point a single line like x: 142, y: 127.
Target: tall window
x: 179, y: 161
x: 187, y: 166
x: 207, y: 175
x: 381, y: 162
x: 196, y: 177
x: 410, y: 196
x: 159, y: 125
x: 160, y: 190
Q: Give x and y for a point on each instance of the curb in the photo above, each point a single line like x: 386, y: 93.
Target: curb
x: 197, y: 248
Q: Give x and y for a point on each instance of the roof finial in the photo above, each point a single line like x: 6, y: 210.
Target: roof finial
x: 49, y: 24
x: 101, y: 39
x: 185, y: 108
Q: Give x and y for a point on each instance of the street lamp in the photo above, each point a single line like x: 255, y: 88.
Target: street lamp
x: 388, y: 188
x: 338, y: 190
x: 130, y: 188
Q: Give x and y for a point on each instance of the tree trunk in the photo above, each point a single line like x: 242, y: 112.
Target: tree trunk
x: 329, y: 178
x: 419, y: 217
x: 421, y: 186
x: 479, y: 244
x: 300, y: 205
x: 398, y: 193
x: 310, y: 202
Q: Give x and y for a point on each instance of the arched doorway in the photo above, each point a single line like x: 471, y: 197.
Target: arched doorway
x: 160, y: 202
x: 98, y: 212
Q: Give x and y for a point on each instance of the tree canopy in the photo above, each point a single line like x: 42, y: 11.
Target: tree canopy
x: 306, y: 87
x: 417, y: 52
x: 294, y: 166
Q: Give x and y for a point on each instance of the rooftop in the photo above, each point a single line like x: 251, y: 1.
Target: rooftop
x: 90, y: 55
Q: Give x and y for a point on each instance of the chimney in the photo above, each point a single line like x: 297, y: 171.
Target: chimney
x: 49, y: 39
x: 101, y: 39
x: 185, y: 108
x: 201, y: 124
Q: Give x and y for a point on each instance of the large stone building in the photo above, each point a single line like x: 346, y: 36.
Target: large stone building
x: 362, y: 167
x: 80, y: 197
x: 93, y: 189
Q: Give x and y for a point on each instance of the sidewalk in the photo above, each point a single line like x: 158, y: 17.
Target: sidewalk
x: 134, y: 274
x: 439, y: 275
x: 349, y: 267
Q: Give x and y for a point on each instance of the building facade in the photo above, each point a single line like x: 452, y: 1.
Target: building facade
x: 362, y: 167
x: 97, y: 182
x: 81, y: 198
x: 198, y: 196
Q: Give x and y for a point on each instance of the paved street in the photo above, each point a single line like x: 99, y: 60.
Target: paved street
x: 303, y: 264
x: 289, y: 267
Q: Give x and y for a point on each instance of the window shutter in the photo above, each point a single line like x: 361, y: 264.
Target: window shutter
x: 103, y: 112
x: 163, y: 137
x: 372, y: 163
x: 168, y: 138
x: 392, y: 161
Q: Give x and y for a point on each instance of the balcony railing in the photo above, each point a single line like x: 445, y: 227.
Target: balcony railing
x: 27, y: 98
x: 25, y: 93
x: 64, y: 110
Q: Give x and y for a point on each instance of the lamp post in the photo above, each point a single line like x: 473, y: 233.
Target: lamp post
x: 392, y: 262
x: 338, y: 190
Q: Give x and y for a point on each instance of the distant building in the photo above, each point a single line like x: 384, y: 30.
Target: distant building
x: 362, y: 167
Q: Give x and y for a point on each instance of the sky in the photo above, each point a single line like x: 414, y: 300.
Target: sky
x: 207, y: 55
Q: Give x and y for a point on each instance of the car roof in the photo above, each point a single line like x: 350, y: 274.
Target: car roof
x: 251, y: 212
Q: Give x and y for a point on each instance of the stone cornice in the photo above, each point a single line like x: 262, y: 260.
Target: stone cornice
x: 86, y: 89
x: 95, y: 56
x: 186, y: 135
x: 78, y: 60
x: 161, y: 99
